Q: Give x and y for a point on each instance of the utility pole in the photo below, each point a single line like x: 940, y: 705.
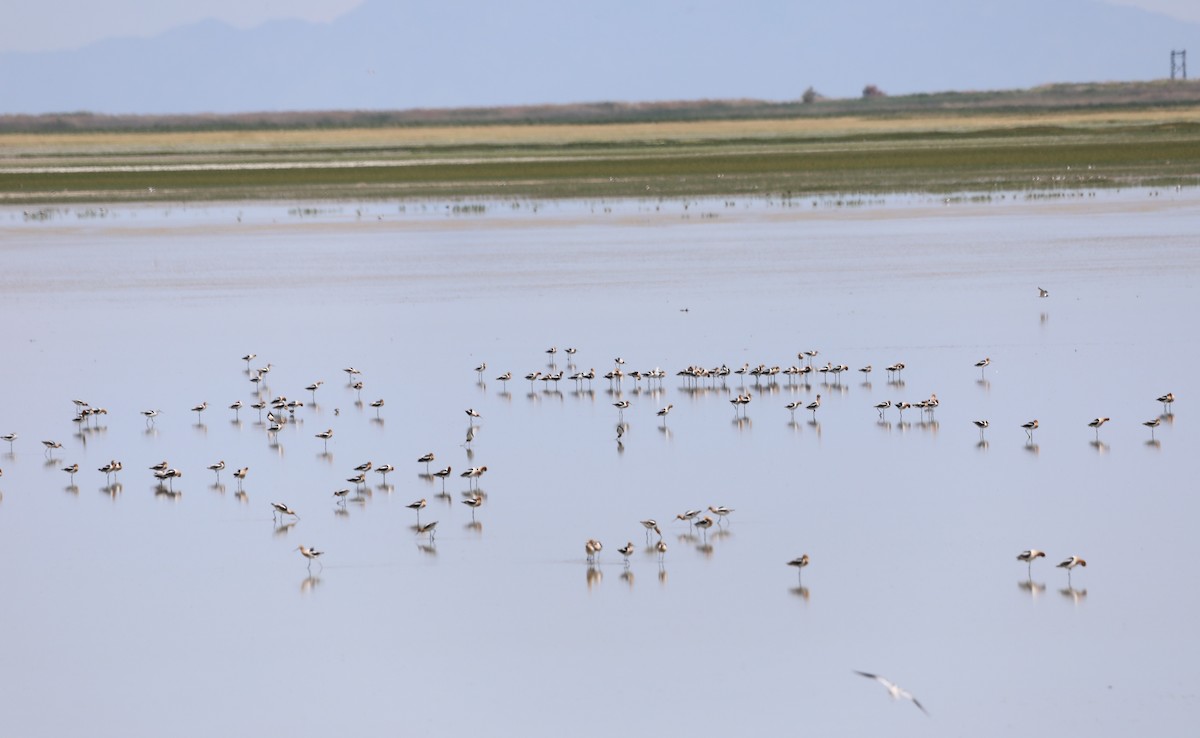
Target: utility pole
x: 1179, y: 64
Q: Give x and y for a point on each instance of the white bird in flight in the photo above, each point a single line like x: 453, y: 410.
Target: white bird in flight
x: 895, y: 690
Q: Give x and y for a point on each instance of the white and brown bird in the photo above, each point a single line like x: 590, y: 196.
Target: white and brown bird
x: 895, y: 690
x: 1030, y: 427
x: 1043, y: 293
x: 240, y: 475
x: 661, y: 546
x: 982, y: 425
x: 311, y: 554
x: 1029, y: 557
x: 799, y: 562
x: 1069, y: 564
x: 1151, y: 424
x: 282, y: 509
x: 199, y: 409
x: 592, y: 548
x: 1167, y: 400
x: 1096, y: 424
x: 217, y: 467
x: 325, y: 435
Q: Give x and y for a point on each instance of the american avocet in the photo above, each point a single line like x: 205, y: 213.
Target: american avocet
x: 866, y: 372
x: 1069, y: 564
x: 108, y: 469
x: 650, y: 524
x: 1167, y: 400
x: 314, y: 387
x: 532, y: 377
x: 480, y: 370
x: 473, y: 502
x: 901, y: 407
x: 662, y: 549
x: 799, y: 562
x: 664, y: 413
x: 621, y: 406
x: 169, y: 475
x: 881, y: 406
x: 896, y: 368
x: 474, y: 473
x: 341, y: 494
x: 687, y: 516
x: 249, y: 358
x: 592, y: 548
x: 384, y: 469
x: 10, y: 437
x: 472, y: 413
x: 1029, y: 557
x: 1043, y: 293
x: 1151, y: 424
x: 311, y: 554
x: 503, y: 378
x: 894, y: 689
x: 793, y: 406
x: 217, y: 467
x: 626, y: 551
x: 1030, y: 427
x: 325, y: 436
x: 442, y: 474
x: 240, y: 475
x: 282, y: 509
x: 425, y: 460
x: 357, y: 480
x: 150, y: 415
x: 814, y: 405
x: 1096, y: 424
x: 50, y: 446
x: 351, y: 373
x: 377, y: 404
x: 417, y: 506
x: 366, y: 466
x: 982, y: 426
x: 720, y: 511
x: 236, y: 408
x: 704, y: 524
x: 428, y: 528
x: 982, y: 365
x: 71, y: 470
x: 160, y: 466
x: 199, y: 409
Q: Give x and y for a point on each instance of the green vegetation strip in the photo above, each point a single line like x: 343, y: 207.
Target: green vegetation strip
x: 932, y: 161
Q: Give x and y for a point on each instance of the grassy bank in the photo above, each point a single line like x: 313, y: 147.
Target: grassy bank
x: 905, y: 147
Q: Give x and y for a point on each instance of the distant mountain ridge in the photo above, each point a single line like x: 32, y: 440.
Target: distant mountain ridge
x: 461, y: 53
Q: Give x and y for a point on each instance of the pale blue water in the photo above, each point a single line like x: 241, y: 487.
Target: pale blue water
x: 137, y: 613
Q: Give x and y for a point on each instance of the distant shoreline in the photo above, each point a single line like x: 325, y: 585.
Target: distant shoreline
x: 1117, y: 136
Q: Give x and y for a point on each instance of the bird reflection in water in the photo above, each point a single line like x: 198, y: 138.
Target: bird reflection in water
x: 282, y: 528
x: 309, y: 583
x: 594, y: 576
x: 242, y: 497
x: 1154, y: 443
x: 743, y: 423
x: 1033, y: 588
x: 429, y: 549
x: 475, y: 527
x: 982, y: 445
x: 340, y: 511
x: 1075, y: 595
x: 801, y: 592
x: 115, y: 489
x: 1033, y: 448
x: 627, y: 577
x: 1100, y: 446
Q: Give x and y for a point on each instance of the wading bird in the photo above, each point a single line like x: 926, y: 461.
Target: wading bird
x: 1029, y: 557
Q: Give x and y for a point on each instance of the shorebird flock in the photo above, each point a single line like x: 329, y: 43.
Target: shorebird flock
x: 701, y: 523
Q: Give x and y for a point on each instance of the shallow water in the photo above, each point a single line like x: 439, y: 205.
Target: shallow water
x: 136, y: 612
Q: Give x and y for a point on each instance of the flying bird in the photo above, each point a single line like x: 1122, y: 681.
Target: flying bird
x: 895, y: 690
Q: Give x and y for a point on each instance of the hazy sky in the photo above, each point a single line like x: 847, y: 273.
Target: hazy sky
x: 65, y: 24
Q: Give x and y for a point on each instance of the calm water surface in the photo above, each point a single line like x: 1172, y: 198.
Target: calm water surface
x: 131, y: 611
